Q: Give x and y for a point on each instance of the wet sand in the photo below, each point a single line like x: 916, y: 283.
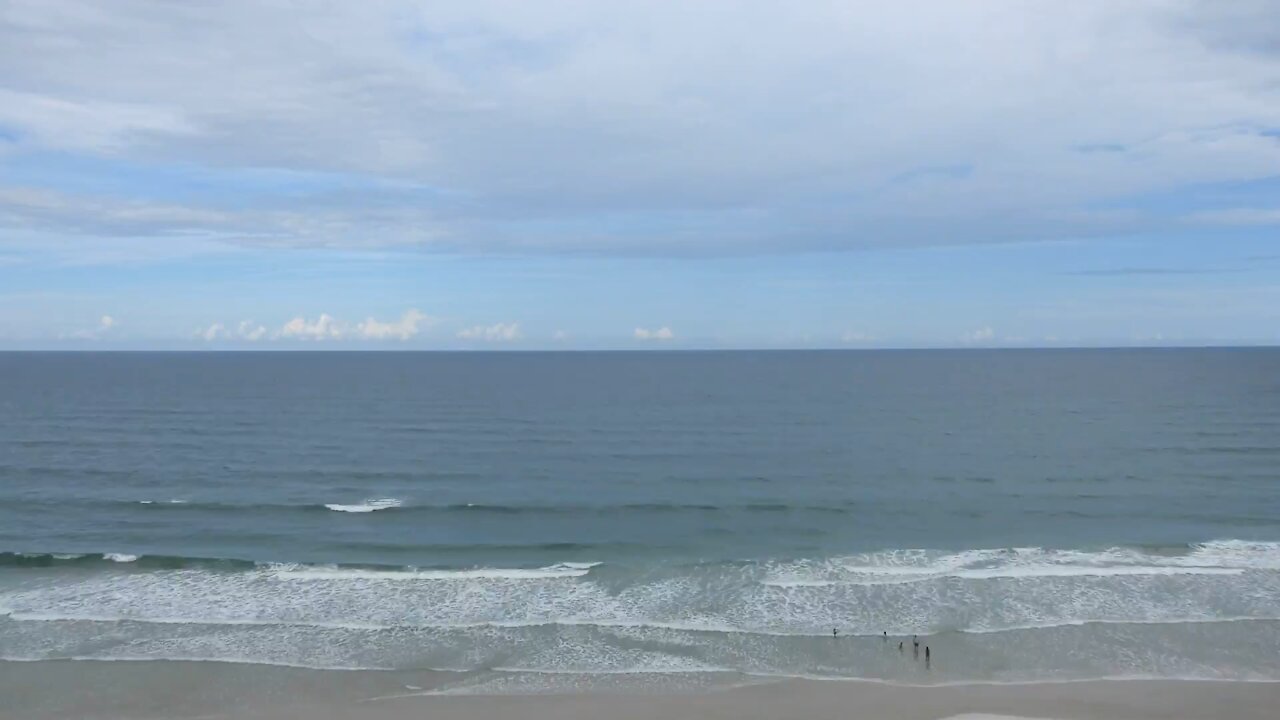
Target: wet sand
x: 187, y: 690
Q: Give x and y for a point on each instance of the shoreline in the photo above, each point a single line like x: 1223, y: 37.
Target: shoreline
x: 153, y: 689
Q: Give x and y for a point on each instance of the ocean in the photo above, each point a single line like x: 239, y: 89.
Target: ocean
x: 531, y: 522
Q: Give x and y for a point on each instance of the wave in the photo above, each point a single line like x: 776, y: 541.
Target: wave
x: 369, y: 505
x: 551, y: 572
x: 606, y: 625
x: 295, y: 571
x: 24, y: 559
x: 478, y: 508
x: 1220, y: 557
x: 160, y: 562
x: 120, y: 557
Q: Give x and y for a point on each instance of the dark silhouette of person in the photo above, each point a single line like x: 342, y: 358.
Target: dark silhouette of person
x: 927, y: 658
x: 834, y: 632
x: 886, y: 636
x: 915, y: 647
x: 899, y: 646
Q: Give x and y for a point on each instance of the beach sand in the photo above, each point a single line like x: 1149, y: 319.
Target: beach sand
x: 152, y: 690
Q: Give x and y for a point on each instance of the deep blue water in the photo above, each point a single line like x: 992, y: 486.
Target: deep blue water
x: 1042, y: 512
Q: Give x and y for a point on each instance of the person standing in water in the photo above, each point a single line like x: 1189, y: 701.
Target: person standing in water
x: 886, y: 636
x: 899, y: 646
x: 927, y: 658
x: 834, y: 632
x: 915, y: 647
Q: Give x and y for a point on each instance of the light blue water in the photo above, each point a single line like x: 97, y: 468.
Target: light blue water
x: 1030, y: 514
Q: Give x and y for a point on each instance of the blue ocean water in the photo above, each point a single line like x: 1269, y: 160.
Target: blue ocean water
x: 532, y: 519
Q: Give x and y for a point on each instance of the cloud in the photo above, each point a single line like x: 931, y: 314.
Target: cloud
x: 324, y: 327
x: 246, y: 330
x: 660, y: 334
x: 251, y: 331
x: 498, y: 332
x: 857, y: 338
x: 403, y: 329
x: 462, y: 126
x: 105, y: 324
x: 978, y: 337
x: 213, y: 332
x: 560, y: 336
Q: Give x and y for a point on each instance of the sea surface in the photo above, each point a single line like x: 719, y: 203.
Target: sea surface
x: 542, y: 521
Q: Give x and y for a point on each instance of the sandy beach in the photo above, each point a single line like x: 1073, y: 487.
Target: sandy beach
x: 188, y: 690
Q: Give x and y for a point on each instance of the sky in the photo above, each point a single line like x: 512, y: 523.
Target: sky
x: 638, y: 175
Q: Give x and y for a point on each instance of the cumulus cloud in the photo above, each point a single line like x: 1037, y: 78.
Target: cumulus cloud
x: 324, y: 327
x: 104, y: 326
x: 662, y: 333
x: 979, y: 336
x: 498, y: 332
x: 251, y: 331
x: 246, y: 330
x: 696, y: 118
x: 213, y: 332
x: 403, y: 329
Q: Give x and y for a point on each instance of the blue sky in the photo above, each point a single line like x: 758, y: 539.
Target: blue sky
x: 638, y: 175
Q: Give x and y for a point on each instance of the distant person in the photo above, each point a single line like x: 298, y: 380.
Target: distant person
x: 834, y: 632
x: 915, y: 647
x: 899, y: 646
x: 927, y: 658
x: 886, y: 636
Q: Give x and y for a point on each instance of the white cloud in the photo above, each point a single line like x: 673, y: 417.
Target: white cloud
x: 323, y: 328
x: 105, y: 324
x: 213, y: 332
x: 403, y: 329
x: 1051, y: 110
x: 498, y: 332
x: 83, y: 124
x: 248, y: 330
x: 980, y: 336
x: 662, y: 333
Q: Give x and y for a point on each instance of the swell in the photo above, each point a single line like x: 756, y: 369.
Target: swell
x: 117, y: 561
x: 354, y: 505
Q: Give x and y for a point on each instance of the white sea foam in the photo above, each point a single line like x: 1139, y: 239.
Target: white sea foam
x: 368, y: 506
x: 1227, y: 557
x: 120, y: 557
x: 314, y: 573
x: 569, y: 618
